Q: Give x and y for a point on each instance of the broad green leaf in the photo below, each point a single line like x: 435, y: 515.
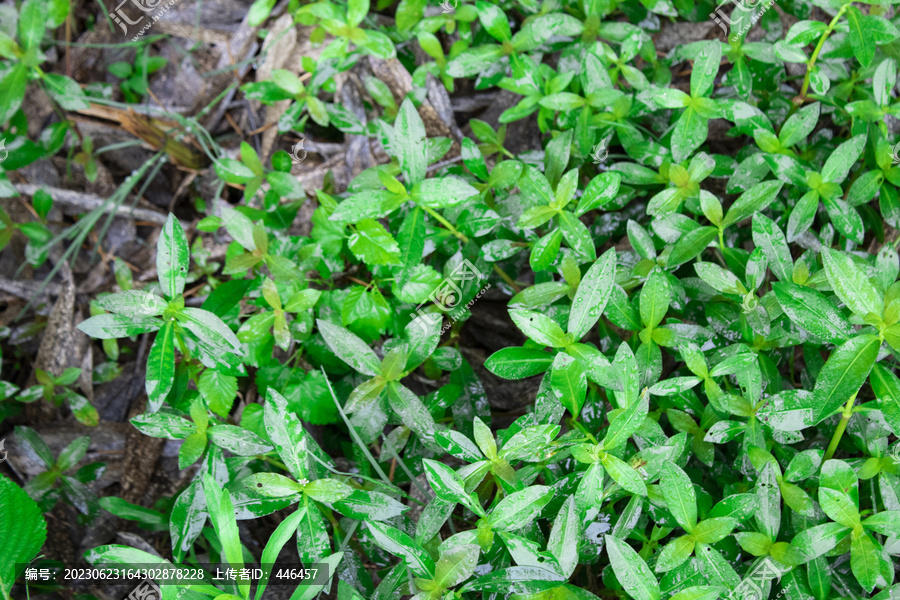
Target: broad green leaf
x: 592, y: 294
x: 768, y: 236
x: 850, y: 283
x: 520, y: 508
x: 839, y: 507
x: 631, y: 570
x: 349, y: 348
x: 209, y: 328
x: 844, y: 373
x: 160, y: 373
x: 408, y: 142
x: 655, y: 299
x: 172, y: 256
x: 518, y: 363
x: 398, y: 543
x: 886, y: 386
x: 110, y: 327
x: 538, y: 327
x: 568, y: 383
x: 812, y: 311
x: 23, y: 527
x: 372, y: 244
x: 286, y: 433
x: 753, y: 200
x: 678, y: 491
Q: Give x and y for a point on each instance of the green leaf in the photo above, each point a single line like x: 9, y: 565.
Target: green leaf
x: 163, y: 425
x: 187, y: 518
x: 12, y: 88
x: 689, y: 134
x: 592, y: 294
x: 844, y: 373
x: 110, y: 327
x: 538, y: 327
x: 563, y: 540
x: 678, y: 491
x: 655, y: 299
x: 455, y: 566
x: 172, y: 256
x: 66, y: 92
x: 412, y: 412
x: 408, y: 142
x: 768, y: 236
x: 237, y: 440
x: 753, y: 200
x: 442, y: 192
x: 133, y: 303
x: 518, y: 363
x: 799, y: 125
x: 23, y: 527
x: 219, y: 391
x: 286, y: 433
x: 813, y: 312
x: 221, y: 513
x: 886, y: 386
x: 577, y: 236
x: 626, y: 422
x: 518, y: 509
x: 850, y: 283
x: 160, y: 373
x: 349, y: 348
x: 706, y: 67
x: 631, y: 570
x: 568, y: 383
x: 839, y: 507
x: 209, y: 328
x: 864, y: 560
x: 398, y: 543
x: 372, y: 244
x: 32, y: 22
x: 448, y: 485
x: 675, y: 553
x: 863, y: 44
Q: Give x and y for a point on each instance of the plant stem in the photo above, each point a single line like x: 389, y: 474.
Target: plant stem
x: 814, y: 57
x: 842, y: 425
x: 465, y: 240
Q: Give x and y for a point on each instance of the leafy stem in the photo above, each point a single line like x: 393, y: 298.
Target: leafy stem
x: 815, y: 55
x: 846, y: 413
